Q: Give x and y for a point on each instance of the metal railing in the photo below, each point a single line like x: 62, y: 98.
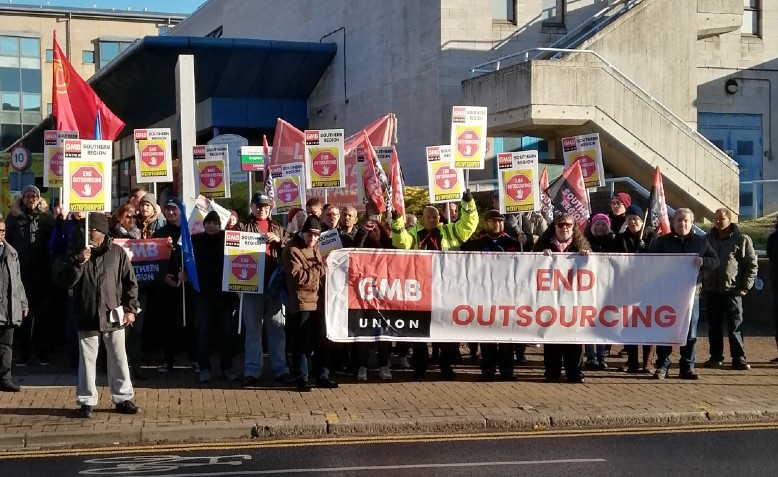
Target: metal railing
x: 683, y: 125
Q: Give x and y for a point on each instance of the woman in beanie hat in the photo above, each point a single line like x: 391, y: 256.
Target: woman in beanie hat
x: 602, y: 240
x: 619, y: 203
x: 232, y: 222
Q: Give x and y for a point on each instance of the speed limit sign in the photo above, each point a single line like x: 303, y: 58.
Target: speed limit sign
x: 21, y: 158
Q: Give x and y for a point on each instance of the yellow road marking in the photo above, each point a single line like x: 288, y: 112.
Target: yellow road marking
x: 367, y: 440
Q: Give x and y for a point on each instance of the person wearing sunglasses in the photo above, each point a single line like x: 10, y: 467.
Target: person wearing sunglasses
x: 563, y: 236
x: 124, y: 223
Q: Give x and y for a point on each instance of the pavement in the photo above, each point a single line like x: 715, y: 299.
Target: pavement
x: 174, y: 407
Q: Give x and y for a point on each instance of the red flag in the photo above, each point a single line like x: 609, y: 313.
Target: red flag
x: 270, y: 189
x: 398, y: 188
x: 568, y: 195
x: 371, y: 179
x: 75, y: 104
x: 288, y: 144
x: 546, y: 207
x: 658, y: 217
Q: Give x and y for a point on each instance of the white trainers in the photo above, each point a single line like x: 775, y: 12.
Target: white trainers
x: 385, y: 373
x: 403, y: 363
x: 205, y: 376
x: 362, y: 374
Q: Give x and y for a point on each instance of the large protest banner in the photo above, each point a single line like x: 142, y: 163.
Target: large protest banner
x: 53, y: 157
x: 244, y: 262
x: 468, y: 136
x: 444, y: 181
x: 518, y: 181
x: 388, y: 295
x: 153, y: 157
x: 149, y: 258
x: 87, y: 175
x: 587, y: 152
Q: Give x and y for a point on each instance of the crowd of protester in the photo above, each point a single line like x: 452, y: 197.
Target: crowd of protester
x: 60, y: 265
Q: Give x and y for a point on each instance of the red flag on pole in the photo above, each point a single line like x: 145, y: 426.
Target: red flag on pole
x: 568, y: 195
x: 288, y: 144
x: 371, y: 179
x: 658, y: 217
x: 75, y: 104
x: 270, y: 189
x: 398, y: 187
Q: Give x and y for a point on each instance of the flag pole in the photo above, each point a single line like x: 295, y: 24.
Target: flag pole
x: 86, y: 230
x: 248, y: 176
x: 240, y: 311
x: 154, y: 188
x: 183, y: 291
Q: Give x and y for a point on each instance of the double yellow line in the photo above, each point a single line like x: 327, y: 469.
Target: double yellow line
x: 123, y: 449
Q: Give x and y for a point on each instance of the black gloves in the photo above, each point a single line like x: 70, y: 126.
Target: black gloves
x: 395, y: 215
x: 467, y: 196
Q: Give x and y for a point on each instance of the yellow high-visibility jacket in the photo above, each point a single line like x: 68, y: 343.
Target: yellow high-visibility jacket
x: 453, y: 235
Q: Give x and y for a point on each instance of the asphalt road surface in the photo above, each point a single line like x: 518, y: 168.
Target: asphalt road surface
x: 710, y: 451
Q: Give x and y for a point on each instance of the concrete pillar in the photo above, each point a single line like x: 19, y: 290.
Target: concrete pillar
x: 187, y: 128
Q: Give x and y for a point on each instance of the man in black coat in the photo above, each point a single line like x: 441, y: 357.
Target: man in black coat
x: 105, y: 295
x: 684, y: 240
x: 494, y: 239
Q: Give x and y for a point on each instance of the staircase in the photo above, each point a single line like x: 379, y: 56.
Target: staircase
x: 631, y: 76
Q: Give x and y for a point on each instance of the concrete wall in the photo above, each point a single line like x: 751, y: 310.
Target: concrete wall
x: 753, y: 62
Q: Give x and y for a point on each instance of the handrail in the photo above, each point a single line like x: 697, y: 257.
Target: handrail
x: 587, y: 24
x: 658, y: 103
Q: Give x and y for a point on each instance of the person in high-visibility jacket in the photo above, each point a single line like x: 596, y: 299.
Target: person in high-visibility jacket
x: 430, y: 234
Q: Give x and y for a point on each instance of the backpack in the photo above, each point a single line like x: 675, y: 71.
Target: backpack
x: 276, y: 286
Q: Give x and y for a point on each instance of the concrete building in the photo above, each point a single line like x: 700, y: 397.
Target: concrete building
x: 91, y: 38
x: 660, y: 76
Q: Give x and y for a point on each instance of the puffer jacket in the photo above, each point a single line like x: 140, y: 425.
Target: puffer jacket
x: 304, y: 268
x: 103, y: 283
x: 29, y: 233
x: 11, y: 313
x: 737, y: 262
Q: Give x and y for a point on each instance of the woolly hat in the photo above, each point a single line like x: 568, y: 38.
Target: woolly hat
x: 623, y: 197
x: 148, y: 197
x: 312, y: 225
x: 99, y: 222
x: 31, y: 188
x: 213, y: 216
x: 234, y: 214
x: 601, y: 217
x: 635, y: 210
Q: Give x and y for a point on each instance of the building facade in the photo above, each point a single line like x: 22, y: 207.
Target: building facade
x: 90, y: 38
x: 411, y: 58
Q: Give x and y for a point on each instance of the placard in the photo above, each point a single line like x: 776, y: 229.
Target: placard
x: 329, y: 241
x: 244, y: 262
x: 53, y: 158
x: 518, y: 181
x: 87, y: 180
x: 153, y: 157
x: 468, y: 136
x: 586, y: 150
x: 445, y: 182
x: 289, y: 193
x: 324, y: 159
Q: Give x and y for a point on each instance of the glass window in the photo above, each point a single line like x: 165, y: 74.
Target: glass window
x: 31, y: 102
x: 504, y: 10
x: 750, y: 18
x: 10, y: 101
x: 88, y: 57
x: 10, y: 79
x: 553, y: 11
x: 49, y: 108
x: 163, y: 29
x: 31, y: 47
x: 49, y: 55
x: 108, y: 51
x: 10, y: 133
x: 31, y: 80
x: 9, y: 46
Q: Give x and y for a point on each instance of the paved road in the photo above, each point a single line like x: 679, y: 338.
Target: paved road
x: 712, y: 451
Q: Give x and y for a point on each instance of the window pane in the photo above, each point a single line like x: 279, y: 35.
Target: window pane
x: 88, y: 57
x: 49, y: 55
x: 10, y: 101
x: 48, y: 108
x: 31, y: 102
x: 31, y: 47
x: 503, y: 10
x: 10, y: 133
x: 28, y: 62
x: 163, y: 29
x: 9, y: 79
x: 9, y: 45
x: 551, y: 11
x: 108, y: 51
x: 749, y: 4
x: 31, y: 81
x: 750, y: 23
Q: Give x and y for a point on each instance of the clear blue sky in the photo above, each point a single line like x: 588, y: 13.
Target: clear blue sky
x: 168, y: 6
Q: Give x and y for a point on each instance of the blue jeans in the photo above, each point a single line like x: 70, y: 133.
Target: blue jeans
x: 264, y: 311
x: 688, y: 350
x: 214, y: 313
x: 590, y: 350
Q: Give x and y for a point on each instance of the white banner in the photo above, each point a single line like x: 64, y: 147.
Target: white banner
x: 393, y: 295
